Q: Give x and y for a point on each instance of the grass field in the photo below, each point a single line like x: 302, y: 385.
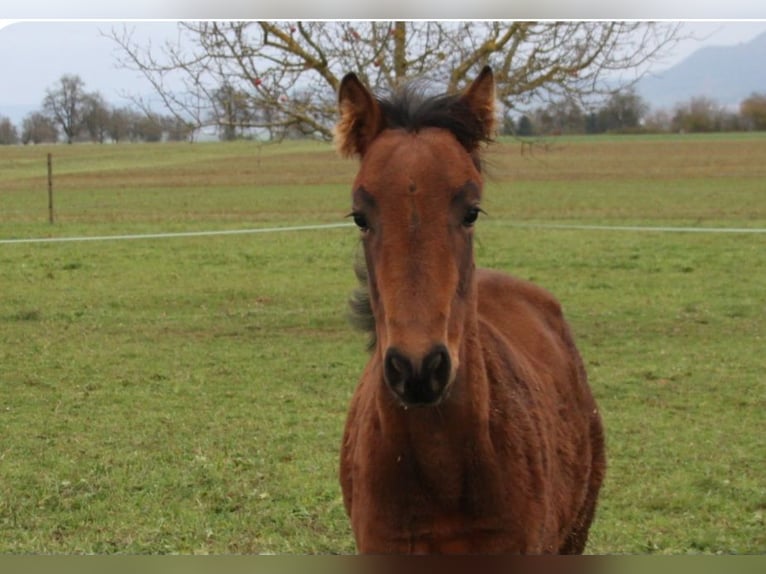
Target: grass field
x: 187, y: 395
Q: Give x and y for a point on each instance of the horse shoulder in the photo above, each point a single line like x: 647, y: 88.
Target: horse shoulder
x: 536, y: 336
x: 549, y: 389
x: 537, y: 341
x: 521, y: 310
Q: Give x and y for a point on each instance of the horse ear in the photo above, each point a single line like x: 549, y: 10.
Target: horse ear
x: 480, y: 99
x: 360, y: 117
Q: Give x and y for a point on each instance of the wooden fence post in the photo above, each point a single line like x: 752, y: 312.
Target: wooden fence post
x: 50, y: 188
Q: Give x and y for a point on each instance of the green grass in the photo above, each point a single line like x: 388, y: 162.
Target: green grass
x: 187, y: 395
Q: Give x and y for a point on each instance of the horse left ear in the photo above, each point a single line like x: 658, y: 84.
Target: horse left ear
x: 360, y: 117
x: 480, y: 99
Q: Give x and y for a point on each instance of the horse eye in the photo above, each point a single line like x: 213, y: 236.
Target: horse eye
x: 361, y: 221
x: 471, y: 216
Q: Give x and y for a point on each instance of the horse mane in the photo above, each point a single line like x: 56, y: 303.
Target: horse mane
x: 360, y: 307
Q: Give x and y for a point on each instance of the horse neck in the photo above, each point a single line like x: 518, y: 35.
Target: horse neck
x: 436, y: 448
x: 461, y: 419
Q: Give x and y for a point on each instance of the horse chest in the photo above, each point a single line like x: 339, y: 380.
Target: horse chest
x: 436, y: 476
x: 421, y: 483
x: 417, y: 512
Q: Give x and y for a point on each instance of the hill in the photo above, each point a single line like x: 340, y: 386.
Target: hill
x: 726, y: 74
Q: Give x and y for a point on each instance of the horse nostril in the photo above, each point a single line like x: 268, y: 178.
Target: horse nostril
x: 398, y: 370
x: 437, y: 368
x: 418, y: 386
x: 432, y: 362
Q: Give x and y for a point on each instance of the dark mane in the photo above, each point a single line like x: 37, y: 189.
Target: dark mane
x: 409, y: 108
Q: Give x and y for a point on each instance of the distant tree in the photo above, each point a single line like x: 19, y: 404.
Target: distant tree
x: 66, y: 103
x: 593, y: 123
x: 699, y: 114
x: 96, y: 115
x: 508, y: 127
x: 753, y: 112
x: 9, y: 135
x: 177, y: 130
x: 730, y: 121
x: 121, y: 121
x: 231, y: 112
x: 622, y: 112
x: 38, y: 127
x: 559, y: 117
x: 524, y: 126
x: 148, y: 128
x: 658, y: 121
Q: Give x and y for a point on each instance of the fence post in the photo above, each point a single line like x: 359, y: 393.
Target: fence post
x: 50, y: 188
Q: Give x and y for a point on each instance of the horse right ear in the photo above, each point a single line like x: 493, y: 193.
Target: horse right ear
x: 360, y: 118
x: 480, y: 99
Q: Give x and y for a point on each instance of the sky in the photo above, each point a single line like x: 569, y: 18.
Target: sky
x: 401, y: 9
x: 35, y: 54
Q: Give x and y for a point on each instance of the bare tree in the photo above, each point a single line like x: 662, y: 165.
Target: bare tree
x: 66, y: 104
x: 37, y: 128
x: 120, y: 123
x: 231, y: 111
x: 622, y: 112
x: 148, y: 128
x: 658, y: 121
x: 559, y: 117
x: 96, y: 117
x: 699, y: 114
x: 753, y: 111
x: 291, y: 70
x: 9, y: 135
x: 177, y: 130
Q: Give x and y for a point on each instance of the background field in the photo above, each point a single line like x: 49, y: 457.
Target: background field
x: 187, y: 395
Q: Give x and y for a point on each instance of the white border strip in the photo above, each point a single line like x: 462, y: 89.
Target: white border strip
x: 741, y: 230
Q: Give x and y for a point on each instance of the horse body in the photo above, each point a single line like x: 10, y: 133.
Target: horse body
x: 472, y: 429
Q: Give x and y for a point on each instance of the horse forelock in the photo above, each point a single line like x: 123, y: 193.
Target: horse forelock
x: 411, y: 109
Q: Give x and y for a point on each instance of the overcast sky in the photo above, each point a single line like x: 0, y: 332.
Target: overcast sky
x: 36, y: 54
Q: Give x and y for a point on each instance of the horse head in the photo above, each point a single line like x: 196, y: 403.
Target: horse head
x: 415, y: 200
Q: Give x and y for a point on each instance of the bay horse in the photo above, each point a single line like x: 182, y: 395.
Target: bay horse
x: 472, y: 429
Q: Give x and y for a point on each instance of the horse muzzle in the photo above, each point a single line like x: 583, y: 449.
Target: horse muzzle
x: 418, y: 382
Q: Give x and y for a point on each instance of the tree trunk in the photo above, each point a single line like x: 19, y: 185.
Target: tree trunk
x: 400, y: 51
